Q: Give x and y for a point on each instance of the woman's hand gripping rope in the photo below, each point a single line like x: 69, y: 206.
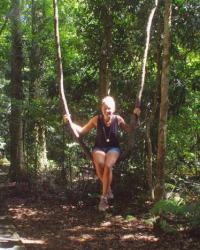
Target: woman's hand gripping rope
x: 74, y: 127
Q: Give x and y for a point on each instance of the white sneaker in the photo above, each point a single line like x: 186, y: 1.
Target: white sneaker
x: 103, y: 204
x: 110, y: 194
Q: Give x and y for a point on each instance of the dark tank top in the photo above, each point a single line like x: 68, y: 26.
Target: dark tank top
x: 106, y: 136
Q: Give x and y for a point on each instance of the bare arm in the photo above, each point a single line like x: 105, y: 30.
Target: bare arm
x: 125, y: 126
x: 82, y: 130
x: 122, y: 122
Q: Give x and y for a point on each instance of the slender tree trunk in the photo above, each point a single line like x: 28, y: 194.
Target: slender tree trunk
x: 134, y: 119
x: 16, y: 120
x: 149, y: 164
x: 105, y: 71
x: 161, y: 154
x: 37, y: 140
x: 42, y: 161
x: 152, y: 117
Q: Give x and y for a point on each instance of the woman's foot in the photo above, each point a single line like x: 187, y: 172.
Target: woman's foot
x: 110, y: 194
x: 103, y: 204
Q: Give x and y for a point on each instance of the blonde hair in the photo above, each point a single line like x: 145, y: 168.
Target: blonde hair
x: 109, y: 101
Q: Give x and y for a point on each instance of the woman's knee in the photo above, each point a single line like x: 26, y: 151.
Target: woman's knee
x: 108, y: 167
x: 99, y: 164
x: 99, y: 160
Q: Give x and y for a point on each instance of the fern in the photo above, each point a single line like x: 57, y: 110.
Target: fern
x: 174, y: 214
x: 168, y: 206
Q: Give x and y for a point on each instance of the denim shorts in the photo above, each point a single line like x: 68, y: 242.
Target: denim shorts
x: 107, y: 149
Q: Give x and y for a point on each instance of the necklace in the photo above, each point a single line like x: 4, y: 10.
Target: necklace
x: 107, y: 138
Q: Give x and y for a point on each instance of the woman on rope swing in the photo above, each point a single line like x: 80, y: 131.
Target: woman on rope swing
x: 106, y: 150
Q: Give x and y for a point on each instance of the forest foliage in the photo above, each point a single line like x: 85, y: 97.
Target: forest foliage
x: 82, y: 35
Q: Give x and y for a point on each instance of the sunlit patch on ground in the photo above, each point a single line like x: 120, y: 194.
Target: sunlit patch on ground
x: 32, y: 241
x: 53, y: 225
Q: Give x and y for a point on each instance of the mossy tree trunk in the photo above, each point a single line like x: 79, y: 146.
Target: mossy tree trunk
x: 162, y: 130
x: 105, y: 67
x: 16, y: 88
x: 152, y: 114
x: 37, y: 156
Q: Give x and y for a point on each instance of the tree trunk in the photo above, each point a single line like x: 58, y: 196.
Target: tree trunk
x: 134, y: 122
x: 16, y: 120
x: 152, y: 117
x: 106, y: 53
x: 36, y: 148
x: 149, y: 164
x: 162, y: 131
x: 42, y: 161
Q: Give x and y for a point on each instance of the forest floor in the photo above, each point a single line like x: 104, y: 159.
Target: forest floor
x: 54, y: 223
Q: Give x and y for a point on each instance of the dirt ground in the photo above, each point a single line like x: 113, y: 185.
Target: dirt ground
x: 49, y: 222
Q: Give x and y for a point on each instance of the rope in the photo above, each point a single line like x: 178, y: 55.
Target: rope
x: 134, y: 123
x: 60, y: 81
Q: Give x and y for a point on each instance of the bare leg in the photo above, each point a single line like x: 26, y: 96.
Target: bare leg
x: 110, y: 160
x: 99, y: 161
x: 103, y: 164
